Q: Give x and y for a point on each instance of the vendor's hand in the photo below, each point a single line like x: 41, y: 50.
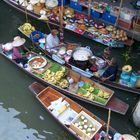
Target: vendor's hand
x: 104, y: 79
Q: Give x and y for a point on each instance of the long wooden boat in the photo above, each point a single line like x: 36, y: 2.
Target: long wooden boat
x: 74, y: 118
x: 86, y: 34
x: 111, y: 102
x: 56, y: 58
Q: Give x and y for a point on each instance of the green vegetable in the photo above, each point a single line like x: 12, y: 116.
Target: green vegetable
x: 100, y: 100
x: 86, y: 85
x: 96, y: 91
x: 81, y: 90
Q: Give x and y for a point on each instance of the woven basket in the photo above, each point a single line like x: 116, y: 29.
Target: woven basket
x: 37, y: 8
x: 136, y: 26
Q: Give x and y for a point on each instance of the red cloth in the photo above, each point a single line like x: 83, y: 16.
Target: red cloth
x: 93, y: 68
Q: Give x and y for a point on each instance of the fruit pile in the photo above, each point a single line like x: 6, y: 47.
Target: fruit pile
x: 55, y: 74
x: 27, y: 28
x: 83, y: 124
x: 93, y: 93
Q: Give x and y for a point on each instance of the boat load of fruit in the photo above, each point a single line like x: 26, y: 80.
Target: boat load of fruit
x: 80, y: 23
x: 73, y: 82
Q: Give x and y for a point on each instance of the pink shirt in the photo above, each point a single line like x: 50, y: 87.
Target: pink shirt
x: 16, y: 54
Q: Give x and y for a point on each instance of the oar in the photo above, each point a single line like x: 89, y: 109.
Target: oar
x: 108, y: 125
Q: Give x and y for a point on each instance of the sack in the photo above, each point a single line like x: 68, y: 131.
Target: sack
x: 137, y: 83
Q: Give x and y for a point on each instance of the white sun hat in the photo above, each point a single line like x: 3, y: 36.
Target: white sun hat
x: 7, y: 46
x: 18, y: 41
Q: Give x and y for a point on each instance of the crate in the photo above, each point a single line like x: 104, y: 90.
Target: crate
x: 91, y: 120
x: 95, y: 14
x: 124, y: 24
x: 109, y: 18
x: 136, y: 25
x: 76, y: 6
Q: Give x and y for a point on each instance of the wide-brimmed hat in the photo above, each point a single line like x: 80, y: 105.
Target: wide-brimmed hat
x: 18, y: 41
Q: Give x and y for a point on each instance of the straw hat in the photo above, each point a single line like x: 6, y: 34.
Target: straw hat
x: 127, y: 137
x: 7, y: 46
x: 18, y: 41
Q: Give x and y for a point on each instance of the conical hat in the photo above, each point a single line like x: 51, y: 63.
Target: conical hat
x: 18, y: 41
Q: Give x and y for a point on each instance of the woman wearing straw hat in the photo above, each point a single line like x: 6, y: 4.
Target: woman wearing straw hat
x: 17, y: 47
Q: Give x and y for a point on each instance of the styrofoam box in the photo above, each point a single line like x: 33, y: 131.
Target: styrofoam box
x: 91, y: 120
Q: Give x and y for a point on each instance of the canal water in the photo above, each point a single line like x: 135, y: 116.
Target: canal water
x: 22, y: 117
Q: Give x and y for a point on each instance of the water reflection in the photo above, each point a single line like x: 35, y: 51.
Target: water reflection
x: 13, y: 129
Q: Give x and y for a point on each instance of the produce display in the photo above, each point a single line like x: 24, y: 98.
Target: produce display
x: 55, y: 75
x: 27, y: 28
x: 85, y: 126
x: 93, y: 93
x: 81, y: 23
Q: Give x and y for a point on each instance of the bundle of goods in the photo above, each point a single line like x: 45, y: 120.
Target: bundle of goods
x: 100, y: 7
x: 27, y: 28
x: 55, y: 75
x: 51, y: 3
x: 94, y: 93
x: 37, y: 5
x: 119, y: 35
x: 114, y: 10
x: 85, y: 126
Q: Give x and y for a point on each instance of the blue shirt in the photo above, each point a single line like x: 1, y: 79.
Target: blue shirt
x: 111, y: 70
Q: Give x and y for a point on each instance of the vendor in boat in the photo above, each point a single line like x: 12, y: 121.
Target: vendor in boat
x: 52, y: 40
x: 106, y: 55
x: 111, y: 72
x: 18, y: 46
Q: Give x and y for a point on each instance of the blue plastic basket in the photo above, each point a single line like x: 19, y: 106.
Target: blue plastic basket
x: 36, y: 35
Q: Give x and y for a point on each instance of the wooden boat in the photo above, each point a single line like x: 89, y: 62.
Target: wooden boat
x: 111, y: 102
x: 68, y: 113
x: 82, y: 72
x: 85, y: 33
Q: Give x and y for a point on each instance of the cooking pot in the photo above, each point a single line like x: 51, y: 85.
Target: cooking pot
x: 80, y: 56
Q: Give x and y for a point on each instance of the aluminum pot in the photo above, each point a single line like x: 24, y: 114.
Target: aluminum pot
x: 80, y: 56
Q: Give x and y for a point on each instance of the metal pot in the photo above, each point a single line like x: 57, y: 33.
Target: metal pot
x: 80, y: 56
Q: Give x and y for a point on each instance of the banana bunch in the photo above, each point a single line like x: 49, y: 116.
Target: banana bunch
x: 27, y: 28
x: 53, y: 77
